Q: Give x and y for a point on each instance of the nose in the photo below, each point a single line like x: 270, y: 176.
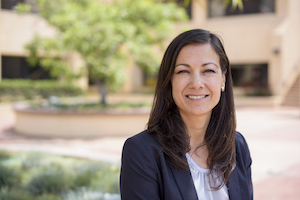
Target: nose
x: 196, y: 81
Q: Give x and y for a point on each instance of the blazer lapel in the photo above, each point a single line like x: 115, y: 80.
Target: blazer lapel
x: 233, y: 186
x: 185, y: 184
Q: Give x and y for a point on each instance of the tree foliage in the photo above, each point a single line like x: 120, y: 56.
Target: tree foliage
x: 108, y: 34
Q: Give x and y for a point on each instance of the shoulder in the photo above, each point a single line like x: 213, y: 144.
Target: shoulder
x: 143, y: 154
x: 140, y: 168
x: 141, y: 143
x: 142, y: 139
x: 241, y: 175
x: 142, y: 136
x: 242, y: 150
x: 240, y: 140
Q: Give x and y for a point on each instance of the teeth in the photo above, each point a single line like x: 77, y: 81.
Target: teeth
x: 196, y: 97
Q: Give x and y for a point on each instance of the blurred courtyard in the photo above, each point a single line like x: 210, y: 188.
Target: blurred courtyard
x: 262, y: 42
x: 272, y: 134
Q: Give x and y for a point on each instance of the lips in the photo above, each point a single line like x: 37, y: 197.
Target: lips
x: 196, y: 97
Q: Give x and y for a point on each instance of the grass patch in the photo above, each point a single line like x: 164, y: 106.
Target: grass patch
x: 34, y: 175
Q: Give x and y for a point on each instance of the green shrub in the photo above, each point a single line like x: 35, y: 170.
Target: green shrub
x: 4, y: 155
x: 49, y: 180
x: 23, y: 195
x: 41, y: 176
x: 14, y: 195
x: 109, y: 180
x: 17, y: 89
x: 32, y: 160
x: 9, y: 177
x: 83, y: 178
x: 48, y: 197
x: 89, y: 194
x: 85, y: 173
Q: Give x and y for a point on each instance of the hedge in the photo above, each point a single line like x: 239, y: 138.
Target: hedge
x: 17, y: 89
x: 35, y: 175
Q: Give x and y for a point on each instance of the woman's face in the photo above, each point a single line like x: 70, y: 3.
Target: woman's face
x: 197, y: 80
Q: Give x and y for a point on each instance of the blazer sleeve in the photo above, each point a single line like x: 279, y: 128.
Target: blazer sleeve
x: 139, y: 173
x: 244, y: 159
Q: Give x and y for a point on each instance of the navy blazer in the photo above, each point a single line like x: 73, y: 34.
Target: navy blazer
x: 145, y: 174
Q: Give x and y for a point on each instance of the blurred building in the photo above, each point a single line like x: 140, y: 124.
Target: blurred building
x: 262, y: 42
x: 16, y: 31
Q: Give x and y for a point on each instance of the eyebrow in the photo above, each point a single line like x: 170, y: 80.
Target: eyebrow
x: 203, y: 65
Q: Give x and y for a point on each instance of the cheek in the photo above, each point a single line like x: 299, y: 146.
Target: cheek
x: 177, y: 88
x: 213, y: 81
x: 218, y: 81
x: 174, y: 84
x: 178, y: 85
x: 214, y: 85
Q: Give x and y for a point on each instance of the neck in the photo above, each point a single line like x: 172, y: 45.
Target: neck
x: 196, y: 128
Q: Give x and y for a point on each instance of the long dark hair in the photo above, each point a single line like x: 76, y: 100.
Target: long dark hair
x: 166, y: 125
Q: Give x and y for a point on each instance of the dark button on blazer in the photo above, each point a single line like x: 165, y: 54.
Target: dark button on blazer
x: 146, y: 176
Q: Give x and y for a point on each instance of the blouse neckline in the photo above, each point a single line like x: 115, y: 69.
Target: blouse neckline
x: 194, y: 166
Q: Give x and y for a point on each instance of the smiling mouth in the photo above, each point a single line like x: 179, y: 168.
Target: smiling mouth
x: 196, y: 97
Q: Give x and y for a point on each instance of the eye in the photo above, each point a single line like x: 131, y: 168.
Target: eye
x: 182, y: 71
x: 209, y: 71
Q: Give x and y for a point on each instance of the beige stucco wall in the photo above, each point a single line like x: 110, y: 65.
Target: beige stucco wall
x: 17, y: 30
x: 248, y: 39
x: 253, y: 38
x: 78, y: 65
x: 133, y: 79
x: 288, y: 33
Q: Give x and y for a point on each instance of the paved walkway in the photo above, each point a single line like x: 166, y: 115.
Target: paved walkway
x: 273, y: 135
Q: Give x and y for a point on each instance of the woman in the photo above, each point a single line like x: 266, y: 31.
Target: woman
x: 190, y: 149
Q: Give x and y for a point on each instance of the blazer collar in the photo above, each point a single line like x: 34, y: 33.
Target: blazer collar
x: 185, y: 184
x: 233, y: 186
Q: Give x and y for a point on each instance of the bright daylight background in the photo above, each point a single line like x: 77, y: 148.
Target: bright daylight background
x: 77, y: 79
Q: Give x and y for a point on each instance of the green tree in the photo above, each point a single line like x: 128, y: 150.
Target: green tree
x: 108, y: 34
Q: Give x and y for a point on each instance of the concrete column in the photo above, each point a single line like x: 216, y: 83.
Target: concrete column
x: 76, y: 63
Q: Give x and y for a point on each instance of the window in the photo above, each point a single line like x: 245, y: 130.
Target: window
x: 252, y: 78
x: 216, y: 8
x: 10, y: 4
x: 17, y: 67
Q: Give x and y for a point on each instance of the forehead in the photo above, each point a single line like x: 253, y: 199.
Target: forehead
x: 197, y: 53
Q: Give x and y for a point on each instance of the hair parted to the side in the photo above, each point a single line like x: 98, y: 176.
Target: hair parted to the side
x: 166, y: 125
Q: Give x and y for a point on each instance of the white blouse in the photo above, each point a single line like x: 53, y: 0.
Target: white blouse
x: 202, y: 183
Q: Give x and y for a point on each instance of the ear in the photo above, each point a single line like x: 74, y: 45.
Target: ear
x: 223, y: 80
